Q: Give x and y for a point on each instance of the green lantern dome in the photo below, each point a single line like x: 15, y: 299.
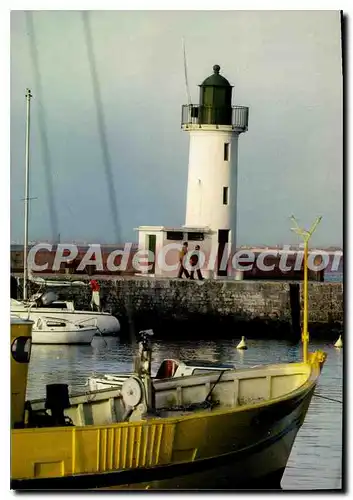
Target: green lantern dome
x: 216, y: 99
x: 215, y: 80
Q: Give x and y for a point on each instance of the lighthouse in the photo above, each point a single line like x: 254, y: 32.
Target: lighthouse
x: 214, y: 126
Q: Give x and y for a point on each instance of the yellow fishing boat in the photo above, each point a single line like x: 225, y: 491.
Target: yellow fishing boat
x: 21, y: 338
x: 226, y: 429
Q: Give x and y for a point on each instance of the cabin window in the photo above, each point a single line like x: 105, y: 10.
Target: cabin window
x: 175, y: 235
x: 226, y: 151
x: 201, y: 371
x: 225, y: 196
x: 21, y: 349
x: 57, y: 305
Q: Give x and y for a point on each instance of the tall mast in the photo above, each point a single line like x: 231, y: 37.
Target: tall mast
x: 25, y: 249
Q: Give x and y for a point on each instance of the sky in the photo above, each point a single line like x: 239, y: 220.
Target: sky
x: 284, y: 65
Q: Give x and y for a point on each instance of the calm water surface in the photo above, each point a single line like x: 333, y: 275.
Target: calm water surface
x: 315, y: 461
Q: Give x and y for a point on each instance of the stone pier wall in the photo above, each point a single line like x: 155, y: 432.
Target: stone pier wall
x: 192, y: 308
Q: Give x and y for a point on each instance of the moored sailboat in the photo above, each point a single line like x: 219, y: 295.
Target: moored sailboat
x: 64, y: 310
x: 36, y: 307
x: 51, y: 330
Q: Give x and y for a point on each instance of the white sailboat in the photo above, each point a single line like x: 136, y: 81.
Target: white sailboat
x: 51, y: 330
x: 103, y: 322
x: 46, y: 303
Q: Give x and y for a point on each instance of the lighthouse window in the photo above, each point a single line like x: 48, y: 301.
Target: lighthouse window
x: 226, y: 151
x: 225, y: 196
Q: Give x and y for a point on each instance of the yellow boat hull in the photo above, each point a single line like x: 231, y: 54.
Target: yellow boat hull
x: 21, y: 334
x: 243, y: 447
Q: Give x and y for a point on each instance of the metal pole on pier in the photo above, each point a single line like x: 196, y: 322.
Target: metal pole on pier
x: 306, y: 235
x: 26, y: 200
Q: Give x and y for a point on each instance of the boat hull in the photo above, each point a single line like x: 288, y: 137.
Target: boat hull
x: 83, y: 337
x: 107, y: 324
x: 20, y: 330
x: 261, y: 467
x: 244, y: 449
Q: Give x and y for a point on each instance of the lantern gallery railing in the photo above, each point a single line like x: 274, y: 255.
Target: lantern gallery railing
x: 195, y: 114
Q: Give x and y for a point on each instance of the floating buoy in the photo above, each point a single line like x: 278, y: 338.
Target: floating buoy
x: 339, y: 342
x: 242, y: 344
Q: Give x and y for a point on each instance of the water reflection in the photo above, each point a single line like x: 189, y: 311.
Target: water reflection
x: 240, y: 357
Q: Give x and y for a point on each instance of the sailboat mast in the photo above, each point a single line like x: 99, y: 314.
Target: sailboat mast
x: 25, y: 248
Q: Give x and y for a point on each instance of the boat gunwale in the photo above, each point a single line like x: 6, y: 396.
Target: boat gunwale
x: 63, y: 310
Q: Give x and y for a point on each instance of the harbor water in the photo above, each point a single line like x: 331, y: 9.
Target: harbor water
x: 316, y: 458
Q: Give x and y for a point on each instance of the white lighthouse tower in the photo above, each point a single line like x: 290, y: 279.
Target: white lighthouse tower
x: 214, y: 126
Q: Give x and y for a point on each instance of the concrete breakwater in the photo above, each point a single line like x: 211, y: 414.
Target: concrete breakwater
x: 216, y: 308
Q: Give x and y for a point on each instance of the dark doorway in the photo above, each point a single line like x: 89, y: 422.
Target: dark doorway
x: 152, y: 248
x: 14, y: 288
x: 223, y: 235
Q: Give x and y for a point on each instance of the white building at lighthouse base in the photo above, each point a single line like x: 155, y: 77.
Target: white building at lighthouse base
x: 159, y: 248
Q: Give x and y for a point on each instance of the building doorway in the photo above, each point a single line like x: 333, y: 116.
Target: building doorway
x: 151, y: 246
x: 223, y: 237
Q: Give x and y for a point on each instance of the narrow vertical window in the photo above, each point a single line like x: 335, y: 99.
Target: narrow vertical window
x: 226, y: 151
x: 225, y: 196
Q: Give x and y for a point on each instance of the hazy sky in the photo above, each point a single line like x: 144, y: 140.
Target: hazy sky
x: 284, y: 65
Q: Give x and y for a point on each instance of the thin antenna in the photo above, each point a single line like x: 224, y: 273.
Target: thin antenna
x: 186, y: 74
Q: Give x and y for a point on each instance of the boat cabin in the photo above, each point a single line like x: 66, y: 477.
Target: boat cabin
x: 172, y: 368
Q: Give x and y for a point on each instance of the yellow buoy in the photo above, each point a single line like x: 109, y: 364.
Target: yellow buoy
x: 242, y: 344
x: 339, y: 342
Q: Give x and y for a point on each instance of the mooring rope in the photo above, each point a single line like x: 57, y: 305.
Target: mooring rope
x: 101, y: 334
x: 329, y: 399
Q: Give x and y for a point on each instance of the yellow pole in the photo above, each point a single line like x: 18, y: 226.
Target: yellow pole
x: 306, y: 237
x: 305, y: 333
